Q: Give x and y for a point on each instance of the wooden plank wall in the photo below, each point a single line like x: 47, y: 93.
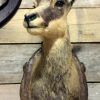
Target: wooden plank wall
x: 17, y: 46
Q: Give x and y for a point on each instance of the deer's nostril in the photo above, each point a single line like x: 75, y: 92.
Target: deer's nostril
x: 30, y: 17
x: 26, y: 18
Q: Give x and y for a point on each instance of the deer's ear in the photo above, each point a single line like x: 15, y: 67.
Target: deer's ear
x: 70, y: 2
x: 36, y: 2
x: 69, y: 5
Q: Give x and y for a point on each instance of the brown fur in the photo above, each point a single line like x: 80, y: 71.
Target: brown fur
x: 53, y: 73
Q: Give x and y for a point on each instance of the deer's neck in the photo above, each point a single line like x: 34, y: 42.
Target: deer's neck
x: 57, y: 51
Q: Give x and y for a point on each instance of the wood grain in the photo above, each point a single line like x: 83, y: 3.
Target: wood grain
x: 11, y: 92
x: 84, y: 16
x: 89, y: 54
x: 78, y: 3
x: 83, y: 27
x: 87, y: 3
x: 13, y: 57
x: 85, y: 33
x: 94, y: 91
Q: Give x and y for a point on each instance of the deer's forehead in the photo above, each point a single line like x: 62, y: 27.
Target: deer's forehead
x: 48, y: 12
x: 51, y: 14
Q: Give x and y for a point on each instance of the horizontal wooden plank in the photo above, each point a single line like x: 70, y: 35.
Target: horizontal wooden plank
x: 83, y: 27
x: 13, y: 57
x: 27, y: 4
x: 11, y: 92
x: 89, y: 54
x: 87, y: 3
x: 85, y: 33
x: 84, y: 16
x: 94, y: 91
x: 78, y: 3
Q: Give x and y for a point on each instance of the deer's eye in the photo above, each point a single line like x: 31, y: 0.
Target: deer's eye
x: 59, y: 3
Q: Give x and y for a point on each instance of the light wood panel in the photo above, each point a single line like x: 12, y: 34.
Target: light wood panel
x: 94, y: 91
x: 89, y: 54
x: 13, y: 57
x: 85, y: 33
x: 11, y: 92
x: 84, y: 16
x: 78, y: 3
x: 83, y: 27
x: 87, y: 3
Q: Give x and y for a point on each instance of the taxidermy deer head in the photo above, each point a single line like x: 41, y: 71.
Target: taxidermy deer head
x: 56, y: 73
x: 48, y: 18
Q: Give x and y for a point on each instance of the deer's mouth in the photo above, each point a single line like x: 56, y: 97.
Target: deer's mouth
x: 33, y: 27
x: 29, y: 26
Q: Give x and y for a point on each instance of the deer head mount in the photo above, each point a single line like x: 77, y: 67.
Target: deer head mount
x: 54, y: 73
x: 48, y: 18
